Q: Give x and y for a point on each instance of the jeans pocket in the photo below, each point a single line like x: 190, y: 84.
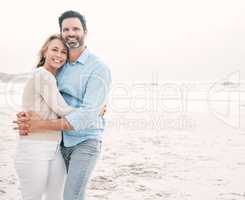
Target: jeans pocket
x: 91, y: 146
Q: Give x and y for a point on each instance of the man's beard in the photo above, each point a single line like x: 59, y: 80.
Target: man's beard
x: 74, y: 43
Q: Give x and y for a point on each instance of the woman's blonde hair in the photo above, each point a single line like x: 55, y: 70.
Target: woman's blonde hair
x: 41, y: 59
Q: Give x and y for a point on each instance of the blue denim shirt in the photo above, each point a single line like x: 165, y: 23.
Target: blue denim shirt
x: 85, y: 85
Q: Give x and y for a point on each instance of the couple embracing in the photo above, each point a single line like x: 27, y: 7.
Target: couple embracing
x: 61, y: 125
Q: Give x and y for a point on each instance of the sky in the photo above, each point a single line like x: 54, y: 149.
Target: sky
x: 140, y: 40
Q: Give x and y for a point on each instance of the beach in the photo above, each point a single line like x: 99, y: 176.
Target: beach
x: 183, y: 153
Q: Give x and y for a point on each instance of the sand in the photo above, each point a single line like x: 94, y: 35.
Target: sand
x: 187, y: 155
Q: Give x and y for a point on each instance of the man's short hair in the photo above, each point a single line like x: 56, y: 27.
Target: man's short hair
x: 72, y: 14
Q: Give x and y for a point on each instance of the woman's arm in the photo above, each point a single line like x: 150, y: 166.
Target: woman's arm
x: 29, y: 122
x: 47, y: 88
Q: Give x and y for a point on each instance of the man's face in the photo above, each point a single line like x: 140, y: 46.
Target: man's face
x: 73, y: 33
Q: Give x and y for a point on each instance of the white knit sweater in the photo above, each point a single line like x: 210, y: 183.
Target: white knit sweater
x: 42, y: 96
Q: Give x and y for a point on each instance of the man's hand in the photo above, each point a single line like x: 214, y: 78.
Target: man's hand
x: 27, y: 122
x: 103, y: 111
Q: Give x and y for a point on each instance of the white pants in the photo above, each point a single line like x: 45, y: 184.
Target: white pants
x: 41, y: 170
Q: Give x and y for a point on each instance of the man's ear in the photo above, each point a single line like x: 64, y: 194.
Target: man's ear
x: 86, y: 33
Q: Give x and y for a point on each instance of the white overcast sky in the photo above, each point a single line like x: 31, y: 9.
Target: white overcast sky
x: 182, y: 40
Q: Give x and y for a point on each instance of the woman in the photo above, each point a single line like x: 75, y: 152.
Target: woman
x: 39, y: 163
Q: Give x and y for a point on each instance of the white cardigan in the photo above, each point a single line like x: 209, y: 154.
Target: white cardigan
x: 42, y: 96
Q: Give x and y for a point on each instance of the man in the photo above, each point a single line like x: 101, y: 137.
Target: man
x: 84, y: 83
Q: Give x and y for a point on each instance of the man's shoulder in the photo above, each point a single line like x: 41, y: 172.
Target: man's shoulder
x: 97, y: 63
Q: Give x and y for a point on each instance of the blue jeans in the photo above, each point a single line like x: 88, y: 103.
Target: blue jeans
x: 80, y: 161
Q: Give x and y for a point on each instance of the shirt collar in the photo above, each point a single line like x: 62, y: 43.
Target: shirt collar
x: 84, y: 56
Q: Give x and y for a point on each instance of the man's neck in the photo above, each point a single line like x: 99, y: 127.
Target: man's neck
x: 74, y: 54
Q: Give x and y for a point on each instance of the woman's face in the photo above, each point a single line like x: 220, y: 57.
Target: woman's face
x: 55, y: 55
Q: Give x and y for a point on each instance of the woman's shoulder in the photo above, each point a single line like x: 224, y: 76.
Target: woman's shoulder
x: 44, y: 74
x: 42, y: 71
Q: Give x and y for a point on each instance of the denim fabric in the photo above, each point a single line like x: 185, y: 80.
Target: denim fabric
x: 80, y: 161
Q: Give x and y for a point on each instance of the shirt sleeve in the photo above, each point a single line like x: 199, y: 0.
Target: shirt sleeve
x: 96, y: 94
x: 45, y: 84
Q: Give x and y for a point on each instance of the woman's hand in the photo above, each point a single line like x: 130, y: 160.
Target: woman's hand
x: 27, y: 122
